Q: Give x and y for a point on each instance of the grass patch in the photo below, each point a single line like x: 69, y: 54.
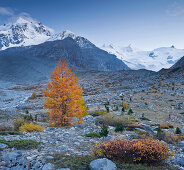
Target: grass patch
x: 81, y: 162
x: 144, y: 118
x: 93, y: 135
x: 111, y: 119
x: 21, y: 144
x: 98, y: 113
x: 10, y: 133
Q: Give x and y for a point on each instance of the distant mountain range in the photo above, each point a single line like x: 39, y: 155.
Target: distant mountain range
x: 155, y: 60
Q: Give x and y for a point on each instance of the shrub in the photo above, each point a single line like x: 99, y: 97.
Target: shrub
x: 18, y: 122
x: 93, y: 135
x: 154, y: 91
x: 34, y: 95
x: 178, y: 131
x: 31, y: 127
x: 21, y: 144
x: 119, y: 128
x: 169, y: 137
x: 138, y: 151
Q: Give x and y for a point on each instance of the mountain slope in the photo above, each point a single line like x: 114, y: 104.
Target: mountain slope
x: 155, y: 60
x: 179, y: 64
x: 23, y: 31
x: 34, y: 63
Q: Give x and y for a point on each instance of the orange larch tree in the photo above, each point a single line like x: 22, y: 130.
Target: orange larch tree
x: 64, y: 97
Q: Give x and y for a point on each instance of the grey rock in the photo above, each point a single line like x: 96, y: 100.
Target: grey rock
x: 75, y: 119
x: 48, y: 166
x: 181, y: 161
x: 12, y: 156
x: 50, y: 128
x: 148, y: 128
x: 102, y: 164
x: 89, y: 119
x: 49, y: 157
x: 3, y: 146
x: 63, y: 148
x: 52, y: 141
x: 182, y: 130
x: 18, y: 167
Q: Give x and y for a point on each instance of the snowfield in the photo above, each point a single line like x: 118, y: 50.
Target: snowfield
x: 155, y: 60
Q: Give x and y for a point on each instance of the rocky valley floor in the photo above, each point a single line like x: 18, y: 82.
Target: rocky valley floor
x: 155, y: 102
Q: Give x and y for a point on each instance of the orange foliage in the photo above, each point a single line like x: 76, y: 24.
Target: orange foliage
x: 137, y: 151
x: 64, y: 97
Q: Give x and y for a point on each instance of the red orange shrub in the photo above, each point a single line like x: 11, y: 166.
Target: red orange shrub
x: 137, y: 151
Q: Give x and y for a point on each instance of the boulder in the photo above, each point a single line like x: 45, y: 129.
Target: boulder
x: 148, y: 128
x: 3, y: 146
x: 102, y: 164
x: 11, y: 156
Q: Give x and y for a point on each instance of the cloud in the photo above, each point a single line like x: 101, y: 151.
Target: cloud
x: 6, y: 11
x: 175, y: 9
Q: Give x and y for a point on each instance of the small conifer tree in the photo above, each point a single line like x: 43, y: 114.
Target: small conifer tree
x: 178, y: 131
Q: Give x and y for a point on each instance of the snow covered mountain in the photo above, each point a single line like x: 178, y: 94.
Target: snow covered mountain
x: 23, y: 31
x: 81, y: 41
x: 155, y: 60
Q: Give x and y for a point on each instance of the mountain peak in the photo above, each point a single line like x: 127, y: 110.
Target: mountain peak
x: 131, y: 48
x: 23, y: 20
x: 23, y: 31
